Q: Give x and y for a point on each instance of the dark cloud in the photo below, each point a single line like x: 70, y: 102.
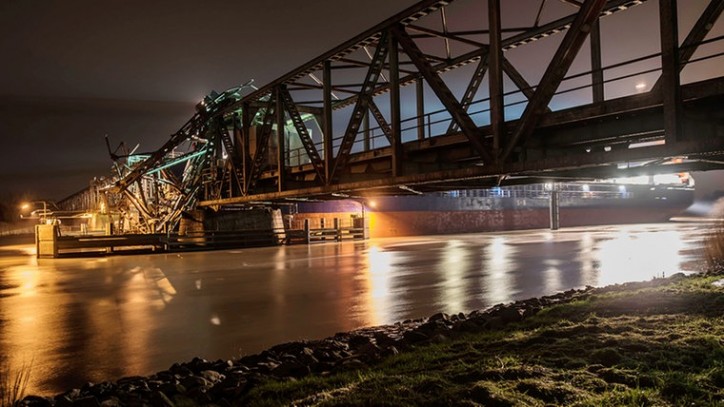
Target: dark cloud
x: 75, y: 71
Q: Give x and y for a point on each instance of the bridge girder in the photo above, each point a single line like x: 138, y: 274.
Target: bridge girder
x: 309, y: 133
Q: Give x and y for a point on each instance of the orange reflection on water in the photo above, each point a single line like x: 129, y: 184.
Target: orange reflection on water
x: 377, y: 270
x: 25, y: 320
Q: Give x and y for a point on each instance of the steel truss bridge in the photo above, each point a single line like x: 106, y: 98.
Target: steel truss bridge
x: 444, y: 96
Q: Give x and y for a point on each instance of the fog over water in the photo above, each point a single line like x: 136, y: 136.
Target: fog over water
x: 97, y: 319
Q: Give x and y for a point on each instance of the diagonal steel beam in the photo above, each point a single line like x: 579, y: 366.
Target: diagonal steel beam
x: 281, y: 140
x: 241, y: 141
x: 326, y: 123
x: 697, y: 34
x: 377, y: 114
x: 559, y: 65
x: 529, y: 35
x: 301, y: 128
x: 262, y: 145
x: 196, y: 125
x: 517, y: 79
x: 471, y: 90
x: 443, y: 93
x: 231, y: 151
x: 373, y: 74
x: 247, y: 115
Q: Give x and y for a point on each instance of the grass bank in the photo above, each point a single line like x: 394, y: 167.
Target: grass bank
x: 638, y: 344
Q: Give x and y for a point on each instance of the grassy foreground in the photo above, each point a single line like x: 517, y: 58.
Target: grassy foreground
x: 639, y: 344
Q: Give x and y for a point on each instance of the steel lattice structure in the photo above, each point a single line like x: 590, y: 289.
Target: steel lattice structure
x: 385, y: 112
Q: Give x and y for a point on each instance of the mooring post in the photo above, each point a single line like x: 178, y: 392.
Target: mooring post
x: 338, y: 229
x: 554, y: 211
x: 306, y: 231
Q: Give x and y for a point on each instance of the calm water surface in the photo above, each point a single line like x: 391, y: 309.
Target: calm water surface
x: 97, y: 319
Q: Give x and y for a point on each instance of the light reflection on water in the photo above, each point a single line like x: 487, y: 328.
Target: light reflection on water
x: 103, y: 318
x: 497, y: 266
x: 378, y: 266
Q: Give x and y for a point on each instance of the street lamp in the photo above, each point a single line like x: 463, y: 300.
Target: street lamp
x: 44, y: 217
x: 364, y: 203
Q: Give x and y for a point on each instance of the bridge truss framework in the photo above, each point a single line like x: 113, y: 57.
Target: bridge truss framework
x: 380, y: 113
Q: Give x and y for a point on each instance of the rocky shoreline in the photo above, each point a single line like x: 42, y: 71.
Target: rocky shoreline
x: 222, y: 383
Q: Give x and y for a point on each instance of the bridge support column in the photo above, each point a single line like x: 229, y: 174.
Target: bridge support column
x: 366, y: 131
x: 420, y: 96
x: 395, y: 114
x: 554, y: 208
x: 596, y: 64
x: 495, y: 75
x: 327, y: 124
x: 670, y: 85
x: 282, y: 148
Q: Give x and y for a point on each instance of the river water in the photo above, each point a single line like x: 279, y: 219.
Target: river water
x: 97, y: 319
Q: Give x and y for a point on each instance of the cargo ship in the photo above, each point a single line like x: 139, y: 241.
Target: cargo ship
x: 643, y: 199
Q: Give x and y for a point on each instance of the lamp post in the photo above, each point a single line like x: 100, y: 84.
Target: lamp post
x: 42, y: 218
x: 365, y: 224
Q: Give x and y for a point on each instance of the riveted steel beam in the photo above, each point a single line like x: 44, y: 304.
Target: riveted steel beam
x: 302, y: 131
x: 443, y: 93
x: 281, y: 140
x: 697, y: 34
x: 373, y: 74
x: 528, y: 35
x: 670, y: 85
x: 231, y: 151
x: 561, y: 62
x: 475, y: 81
x: 517, y: 78
x: 495, y: 78
x: 262, y: 146
x: 327, y: 123
x: 395, y: 115
x: 381, y: 121
x: 596, y: 71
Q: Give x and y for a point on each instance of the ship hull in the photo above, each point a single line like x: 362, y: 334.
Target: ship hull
x: 444, y: 214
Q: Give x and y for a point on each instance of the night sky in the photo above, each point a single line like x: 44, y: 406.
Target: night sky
x: 74, y: 71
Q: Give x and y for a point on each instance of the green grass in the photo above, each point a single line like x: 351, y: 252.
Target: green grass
x: 640, y: 345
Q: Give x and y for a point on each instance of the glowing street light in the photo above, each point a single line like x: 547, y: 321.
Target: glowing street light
x: 26, y: 205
